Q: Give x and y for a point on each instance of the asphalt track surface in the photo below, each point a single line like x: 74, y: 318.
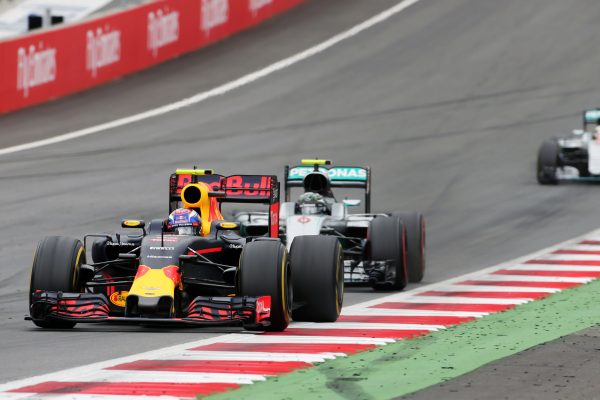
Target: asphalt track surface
x: 447, y: 101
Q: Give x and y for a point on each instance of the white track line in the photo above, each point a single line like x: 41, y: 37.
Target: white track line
x: 384, y: 312
x: 162, y: 377
x: 240, y: 338
x: 250, y: 356
x: 552, y: 267
x: 530, y: 278
x: 223, y: 89
x: 584, y: 247
x: 463, y: 300
x: 571, y: 257
x: 366, y: 325
x: 501, y: 289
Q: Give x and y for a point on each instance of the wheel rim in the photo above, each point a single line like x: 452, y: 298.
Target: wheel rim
x: 78, y: 261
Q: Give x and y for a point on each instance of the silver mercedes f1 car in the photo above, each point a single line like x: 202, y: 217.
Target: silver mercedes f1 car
x: 575, y: 157
x: 385, y: 250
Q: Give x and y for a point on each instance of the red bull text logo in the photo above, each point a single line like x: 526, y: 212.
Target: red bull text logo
x: 240, y: 188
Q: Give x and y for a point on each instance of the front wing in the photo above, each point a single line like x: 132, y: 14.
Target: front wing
x: 570, y: 174
x: 251, y: 312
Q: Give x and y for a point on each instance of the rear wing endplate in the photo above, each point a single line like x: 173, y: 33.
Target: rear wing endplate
x: 591, y: 117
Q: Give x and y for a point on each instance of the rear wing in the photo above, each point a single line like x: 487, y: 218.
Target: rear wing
x: 353, y: 177
x: 262, y: 189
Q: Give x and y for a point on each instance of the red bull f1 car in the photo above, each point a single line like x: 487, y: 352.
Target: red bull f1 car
x: 384, y: 250
x: 220, y: 275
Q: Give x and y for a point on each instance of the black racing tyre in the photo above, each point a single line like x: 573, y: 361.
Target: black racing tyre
x: 318, y: 270
x: 414, y: 224
x: 265, y: 271
x: 547, y: 162
x: 387, y: 241
x: 56, y: 269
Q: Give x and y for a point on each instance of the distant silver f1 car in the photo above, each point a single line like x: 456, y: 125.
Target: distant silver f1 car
x: 572, y: 158
x: 385, y: 250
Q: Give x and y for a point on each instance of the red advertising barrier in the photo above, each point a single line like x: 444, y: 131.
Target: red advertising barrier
x: 58, y: 62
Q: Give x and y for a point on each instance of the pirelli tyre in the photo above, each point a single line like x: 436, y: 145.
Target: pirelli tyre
x: 547, y: 162
x: 265, y: 271
x: 414, y: 223
x: 318, y: 271
x: 56, y: 266
x: 387, y: 242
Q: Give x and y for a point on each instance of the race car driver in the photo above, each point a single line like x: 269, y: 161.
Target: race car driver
x: 184, y: 221
x: 310, y: 203
x: 317, y: 197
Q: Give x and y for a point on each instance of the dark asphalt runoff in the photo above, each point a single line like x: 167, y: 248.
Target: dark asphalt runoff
x: 447, y: 101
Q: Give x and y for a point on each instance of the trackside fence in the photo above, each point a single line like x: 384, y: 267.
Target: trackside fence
x: 46, y: 65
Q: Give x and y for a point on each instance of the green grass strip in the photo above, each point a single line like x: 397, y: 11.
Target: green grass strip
x: 407, y: 366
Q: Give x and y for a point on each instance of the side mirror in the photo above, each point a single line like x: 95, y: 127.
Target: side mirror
x: 133, y: 223
x: 351, y: 202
